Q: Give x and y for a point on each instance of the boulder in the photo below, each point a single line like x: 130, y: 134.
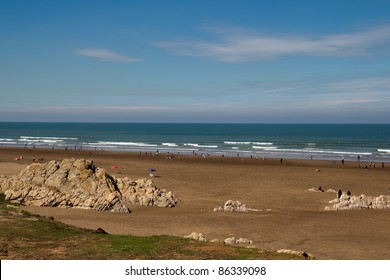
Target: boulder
x: 196, y: 236
x: 234, y: 206
x: 233, y: 240
x: 78, y: 183
x: 304, y: 254
x: 348, y: 202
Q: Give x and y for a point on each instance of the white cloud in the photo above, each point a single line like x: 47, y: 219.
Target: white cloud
x: 341, y: 102
x: 233, y: 45
x: 106, y: 55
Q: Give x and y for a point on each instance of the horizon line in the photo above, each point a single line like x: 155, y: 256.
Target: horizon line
x: 228, y: 123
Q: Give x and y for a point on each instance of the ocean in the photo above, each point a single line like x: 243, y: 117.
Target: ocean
x: 369, y: 142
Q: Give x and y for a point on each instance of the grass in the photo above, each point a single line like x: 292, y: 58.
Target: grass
x: 27, y: 236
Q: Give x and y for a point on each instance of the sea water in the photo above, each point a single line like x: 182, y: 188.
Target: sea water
x: 369, y: 142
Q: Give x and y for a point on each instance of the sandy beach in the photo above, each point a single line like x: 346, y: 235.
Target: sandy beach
x: 291, y: 218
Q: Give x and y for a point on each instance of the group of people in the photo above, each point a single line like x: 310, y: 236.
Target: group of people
x: 34, y: 159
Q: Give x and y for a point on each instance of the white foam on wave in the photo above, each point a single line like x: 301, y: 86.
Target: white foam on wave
x: 170, y: 144
x: 8, y: 142
x: 99, y: 143
x: 201, y: 146
x: 310, y: 150
x: 384, y: 151
x: 41, y: 140
x: 265, y: 148
x: 338, y: 152
x: 46, y: 138
x: 248, y: 143
x: 236, y: 143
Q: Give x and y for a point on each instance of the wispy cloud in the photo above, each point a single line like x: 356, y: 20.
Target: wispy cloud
x: 235, y: 45
x: 318, y: 93
x: 341, y: 102
x: 106, y: 55
x: 366, y: 84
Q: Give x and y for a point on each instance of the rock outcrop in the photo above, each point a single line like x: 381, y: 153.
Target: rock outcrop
x: 320, y: 190
x: 196, y: 236
x: 79, y: 183
x: 233, y: 240
x: 230, y: 240
x: 304, y: 254
x: 348, y: 202
x: 234, y: 206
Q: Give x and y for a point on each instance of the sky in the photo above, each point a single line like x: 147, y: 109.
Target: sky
x: 195, y: 61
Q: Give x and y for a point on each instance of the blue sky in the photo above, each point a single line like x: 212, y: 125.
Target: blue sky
x: 195, y: 61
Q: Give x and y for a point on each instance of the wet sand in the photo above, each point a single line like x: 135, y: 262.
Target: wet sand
x: 295, y: 218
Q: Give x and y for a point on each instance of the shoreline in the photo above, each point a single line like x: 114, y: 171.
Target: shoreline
x: 296, y: 221
x: 192, y: 155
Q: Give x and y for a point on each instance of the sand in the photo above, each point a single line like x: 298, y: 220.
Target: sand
x: 292, y: 217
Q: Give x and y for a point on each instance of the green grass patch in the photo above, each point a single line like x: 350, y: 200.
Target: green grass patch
x: 27, y: 236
